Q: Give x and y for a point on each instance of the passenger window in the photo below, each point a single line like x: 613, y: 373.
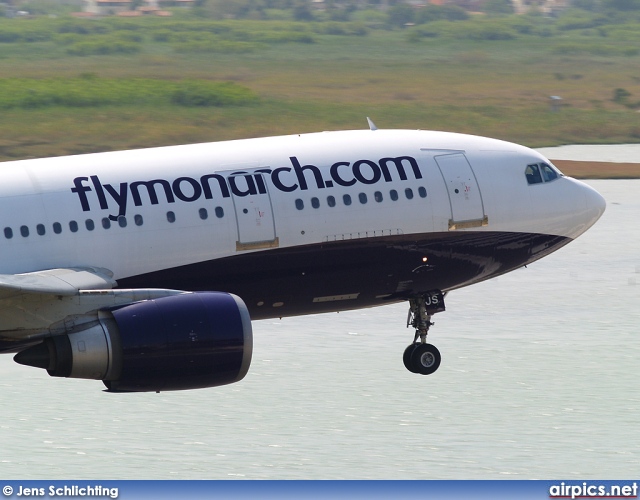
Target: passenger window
x: 377, y: 196
x: 331, y: 201
x: 363, y: 198
x: 90, y: 225
x: 138, y: 220
x: 315, y: 202
x: 299, y: 204
x: 548, y: 173
x: 203, y: 213
x: 24, y: 231
x: 171, y: 217
x: 8, y: 233
x: 393, y: 194
x: 122, y: 221
x: 422, y: 192
x: 40, y: 229
x: 533, y: 174
x: 73, y: 226
x: 346, y: 199
x: 219, y: 212
x: 57, y: 227
x: 106, y: 223
x: 408, y: 193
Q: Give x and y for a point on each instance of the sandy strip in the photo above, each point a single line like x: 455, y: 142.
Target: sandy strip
x: 598, y: 169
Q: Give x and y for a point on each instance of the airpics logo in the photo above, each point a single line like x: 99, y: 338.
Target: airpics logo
x: 296, y: 177
x: 588, y: 490
x: 95, y: 491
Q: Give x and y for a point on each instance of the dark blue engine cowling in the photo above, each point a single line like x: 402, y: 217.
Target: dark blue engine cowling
x: 187, y: 341
x: 183, y: 341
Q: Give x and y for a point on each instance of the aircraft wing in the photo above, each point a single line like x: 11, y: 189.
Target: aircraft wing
x: 56, y: 282
x: 52, y: 301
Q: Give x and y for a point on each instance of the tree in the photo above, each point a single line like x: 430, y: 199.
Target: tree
x: 222, y: 9
x: 302, y: 12
x: 590, y: 5
x: 432, y: 13
x: 499, y: 7
x: 624, y: 5
x: 400, y: 15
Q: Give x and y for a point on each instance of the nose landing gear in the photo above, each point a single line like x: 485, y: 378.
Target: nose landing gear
x: 420, y: 357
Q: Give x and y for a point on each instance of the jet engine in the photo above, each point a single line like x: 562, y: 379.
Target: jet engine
x: 187, y: 341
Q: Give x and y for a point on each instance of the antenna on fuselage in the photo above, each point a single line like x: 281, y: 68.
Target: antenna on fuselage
x: 372, y: 126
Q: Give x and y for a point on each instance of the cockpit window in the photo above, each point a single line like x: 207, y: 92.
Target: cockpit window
x: 538, y: 173
x: 548, y: 173
x: 533, y: 174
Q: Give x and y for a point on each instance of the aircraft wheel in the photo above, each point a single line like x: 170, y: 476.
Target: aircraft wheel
x: 425, y: 359
x: 406, y: 357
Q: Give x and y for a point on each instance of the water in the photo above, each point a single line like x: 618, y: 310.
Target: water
x: 538, y: 380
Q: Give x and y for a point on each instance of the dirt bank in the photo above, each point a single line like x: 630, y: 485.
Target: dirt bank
x: 598, y: 169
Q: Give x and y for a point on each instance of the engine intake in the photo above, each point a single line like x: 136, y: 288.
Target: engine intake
x: 187, y: 341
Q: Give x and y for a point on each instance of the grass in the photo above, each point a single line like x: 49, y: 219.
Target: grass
x: 91, y: 91
x: 494, y: 88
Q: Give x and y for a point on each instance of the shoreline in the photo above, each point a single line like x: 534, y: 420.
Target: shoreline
x: 598, y: 169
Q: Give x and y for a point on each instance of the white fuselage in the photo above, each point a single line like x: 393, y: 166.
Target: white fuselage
x: 37, y: 198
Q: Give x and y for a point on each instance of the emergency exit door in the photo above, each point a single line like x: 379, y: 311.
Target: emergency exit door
x: 467, y: 208
x: 256, y: 223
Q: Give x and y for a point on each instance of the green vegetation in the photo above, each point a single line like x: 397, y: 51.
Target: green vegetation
x: 90, y: 91
x: 73, y: 86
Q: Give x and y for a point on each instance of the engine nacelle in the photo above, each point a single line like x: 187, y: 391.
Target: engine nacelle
x: 187, y: 341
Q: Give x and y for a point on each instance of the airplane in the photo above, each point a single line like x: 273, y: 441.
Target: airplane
x: 144, y: 268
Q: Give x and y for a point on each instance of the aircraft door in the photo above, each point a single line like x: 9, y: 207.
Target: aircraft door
x: 467, y: 208
x: 254, y: 212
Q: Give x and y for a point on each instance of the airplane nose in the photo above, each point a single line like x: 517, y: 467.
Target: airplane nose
x: 595, y: 203
x: 584, y: 207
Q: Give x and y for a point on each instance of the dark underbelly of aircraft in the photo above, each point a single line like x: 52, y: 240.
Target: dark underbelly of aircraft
x: 350, y: 274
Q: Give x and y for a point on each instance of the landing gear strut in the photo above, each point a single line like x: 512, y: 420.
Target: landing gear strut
x: 420, y: 357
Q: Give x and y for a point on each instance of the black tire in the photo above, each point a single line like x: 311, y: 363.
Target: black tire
x: 425, y: 359
x: 406, y: 357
